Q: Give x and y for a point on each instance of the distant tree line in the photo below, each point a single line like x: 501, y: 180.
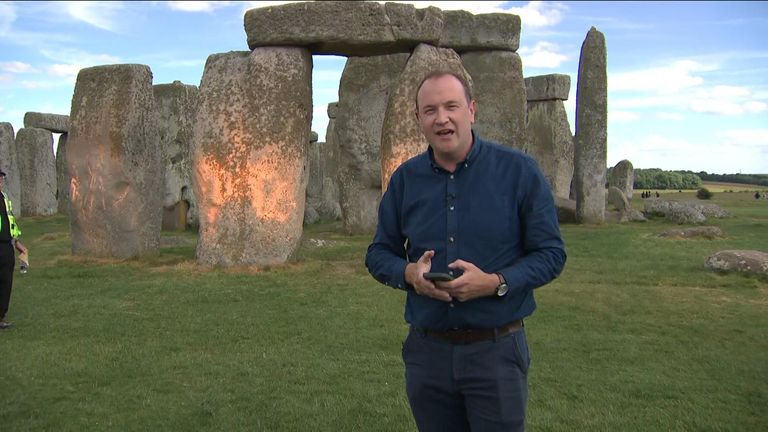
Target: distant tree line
x: 750, y: 179
x: 655, y: 178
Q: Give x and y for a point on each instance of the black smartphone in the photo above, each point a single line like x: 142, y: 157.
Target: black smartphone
x: 438, y: 277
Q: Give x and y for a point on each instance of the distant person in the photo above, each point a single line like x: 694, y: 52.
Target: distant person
x: 657, y: 195
x: 757, y: 195
x: 484, y: 214
x: 9, y: 243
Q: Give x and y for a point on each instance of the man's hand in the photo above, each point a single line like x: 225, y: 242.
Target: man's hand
x: 414, y: 275
x: 474, y: 283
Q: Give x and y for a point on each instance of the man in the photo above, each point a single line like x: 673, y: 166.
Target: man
x: 483, y: 213
x: 9, y: 233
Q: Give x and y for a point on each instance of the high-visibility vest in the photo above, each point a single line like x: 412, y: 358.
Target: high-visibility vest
x: 15, y: 230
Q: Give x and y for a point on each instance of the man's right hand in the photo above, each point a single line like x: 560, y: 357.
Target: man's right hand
x: 414, y: 275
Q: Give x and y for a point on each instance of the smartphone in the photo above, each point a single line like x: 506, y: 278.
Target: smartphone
x: 438, y: 277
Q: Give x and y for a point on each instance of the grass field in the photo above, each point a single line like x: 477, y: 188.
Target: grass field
x: 636, y: 335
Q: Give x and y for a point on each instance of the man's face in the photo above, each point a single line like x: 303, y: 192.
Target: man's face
x: 446, y: 117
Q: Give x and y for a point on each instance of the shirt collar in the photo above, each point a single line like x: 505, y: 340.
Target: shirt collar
x: 473, y: 154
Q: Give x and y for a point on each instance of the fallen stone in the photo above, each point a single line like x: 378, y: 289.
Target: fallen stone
x: 747, y: 261
x: 707, y: 232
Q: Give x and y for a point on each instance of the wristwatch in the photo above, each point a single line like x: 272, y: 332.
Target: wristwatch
x: 502, y: 289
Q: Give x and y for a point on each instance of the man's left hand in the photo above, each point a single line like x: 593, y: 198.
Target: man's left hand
x: 474, y: 283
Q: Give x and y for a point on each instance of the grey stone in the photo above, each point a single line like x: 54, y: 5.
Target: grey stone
x: 322, y: 192
x: 464, y: 32
x: 681, y: 214
x: 550, y: 142
x: 498, y: 88
x: 591, y: 141
x: 748, y: 261
x: 115, y: 163
x: 249, y: 155
x: 9, y: 164
x: 333, y: 109
x: 548, y: 87
x: 707, y: 232
x: 37, y: 169
x: 176, y: 106
x: 683, y: 211
x: 344, y: 28
x: 566, y: 209
x: 401, y: 136
x: 623, y: 177
x: 313, y: 137
x: 364, y: 91
x: 55, y: 123
x: 617, y: 199
x: 62, y: 176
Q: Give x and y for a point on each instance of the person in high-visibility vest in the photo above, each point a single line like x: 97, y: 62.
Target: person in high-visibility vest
x: 9, y: 240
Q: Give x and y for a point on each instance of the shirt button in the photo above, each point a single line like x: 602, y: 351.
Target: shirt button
x: 451, y: 176
x: 450, y: 239
x: 451, y: 208
x: 451, y: 305
x: 466, y: 164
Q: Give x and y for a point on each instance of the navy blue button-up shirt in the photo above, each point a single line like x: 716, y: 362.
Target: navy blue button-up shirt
x: 495, y: 210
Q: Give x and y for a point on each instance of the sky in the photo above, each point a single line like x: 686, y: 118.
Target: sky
x: 687, y: 81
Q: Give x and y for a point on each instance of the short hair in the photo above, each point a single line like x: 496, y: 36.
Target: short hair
x: 439, y: 73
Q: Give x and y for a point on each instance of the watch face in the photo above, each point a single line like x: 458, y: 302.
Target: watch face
x: 501, y: 290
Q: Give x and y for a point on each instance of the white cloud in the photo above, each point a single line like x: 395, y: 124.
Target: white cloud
x: 744, y: 137
x: 64, y: 70
x: 538, y: 13
x: 103, y: 15
x: 198, y: 6
x: 622, y: 116
x: 16, y: 67
x: 726, y: 100
x: 670, y: 116
x: 7, y: 17
x: 542, y: 55
x: 667, y: 79
x: 320, y: 120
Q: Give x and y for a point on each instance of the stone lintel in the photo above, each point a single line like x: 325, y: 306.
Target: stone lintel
x: 547, y: 87
x: 56, y: 123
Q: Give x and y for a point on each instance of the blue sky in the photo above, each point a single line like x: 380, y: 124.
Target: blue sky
x: 688, y: 81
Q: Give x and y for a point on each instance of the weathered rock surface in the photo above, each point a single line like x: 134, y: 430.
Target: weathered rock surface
x: 358, y: 29
x: 56, y: 123
x: 548, y: 87
x: 683, y: 212
x: 748, y: 261
x: 344, y: 28
x: 9, y: 164
x: 591, y: 141
x: 176, y: 106
x: 623, y: 177
x: 464, y: 32
x: 37, y: 169
x: 707, y: 232
x: 62, y: 176
x: 366, y: 86
x: 617, y: 199
x: 550, y: 142
x: 401, y: 136
x: 249, y: 155
x: 114, y: 161
x: 499, y: 89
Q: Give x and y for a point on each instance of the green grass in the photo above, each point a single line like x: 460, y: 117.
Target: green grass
x: 636, y: 335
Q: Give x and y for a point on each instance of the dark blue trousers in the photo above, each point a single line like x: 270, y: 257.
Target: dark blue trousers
x: 7, y: 263
x: 482, y: 386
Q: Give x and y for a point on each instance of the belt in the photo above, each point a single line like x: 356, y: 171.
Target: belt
x: 468, y: 336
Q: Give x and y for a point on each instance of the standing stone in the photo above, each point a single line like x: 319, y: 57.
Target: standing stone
x: 550, y: 140
x: 463, y: 31
x: 591, y: 140
x: 623, y: 177
x: 401, y: 137
x: 499, y: 90
x: 364, y: 90
x: 249, y: 155
x: 37, y: 169
x: 9, y: 164
x: 62, y: 176
x: 55, y: 123
x: 115, y: 163
x: 175, y: 105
